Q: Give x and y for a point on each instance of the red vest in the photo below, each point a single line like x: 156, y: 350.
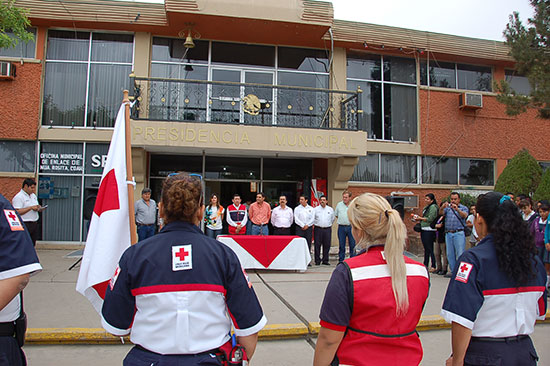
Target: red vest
x: 375, y: 335
x: 237, y: 215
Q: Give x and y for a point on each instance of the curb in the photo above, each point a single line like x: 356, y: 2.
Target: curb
x: 269, y: 332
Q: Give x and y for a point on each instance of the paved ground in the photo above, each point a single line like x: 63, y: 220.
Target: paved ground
x: 287, y: 297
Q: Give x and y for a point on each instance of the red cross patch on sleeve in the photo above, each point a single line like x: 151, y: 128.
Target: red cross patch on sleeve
x: 13, y: 220
x: 114, y: 278
x: 463, y: 272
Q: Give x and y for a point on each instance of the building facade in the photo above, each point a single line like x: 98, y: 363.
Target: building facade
x: 255, y: 96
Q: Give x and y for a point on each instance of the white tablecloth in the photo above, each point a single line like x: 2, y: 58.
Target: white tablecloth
x: 269, y: 252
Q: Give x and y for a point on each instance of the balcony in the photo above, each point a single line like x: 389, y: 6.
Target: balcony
x: 218, y: 102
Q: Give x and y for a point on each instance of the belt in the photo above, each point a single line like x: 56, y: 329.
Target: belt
x: 500, y: 339
x: 321, y: 227
x: 7, y: 329
x: 145, y: 224
x: 253, y: 224
x: 277, y: 227
x: 343, y: 225
x: 454, y: 231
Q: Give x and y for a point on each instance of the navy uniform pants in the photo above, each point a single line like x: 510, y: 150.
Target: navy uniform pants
x: 504, y: 353
x: 10, y: 353
x: 141, y: 357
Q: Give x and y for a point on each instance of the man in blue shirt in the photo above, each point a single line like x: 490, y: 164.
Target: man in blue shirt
x: 455, y: 216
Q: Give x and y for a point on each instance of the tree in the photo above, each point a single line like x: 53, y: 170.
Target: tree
x: 543, y: 190
x: 13, y: 19
x: 521, y: 175
x: 530, y: 47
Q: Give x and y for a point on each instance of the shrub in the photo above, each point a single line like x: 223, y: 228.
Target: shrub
x: 521, y: 175
x: 543, y: 190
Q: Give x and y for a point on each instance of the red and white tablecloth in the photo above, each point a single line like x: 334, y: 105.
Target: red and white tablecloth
x: 269, y: 252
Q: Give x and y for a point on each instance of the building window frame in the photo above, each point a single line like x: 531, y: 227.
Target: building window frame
x: 424, y: 77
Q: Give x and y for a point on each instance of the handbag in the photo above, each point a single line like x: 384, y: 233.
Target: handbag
x: 467, y: 229
x: 417, y: 228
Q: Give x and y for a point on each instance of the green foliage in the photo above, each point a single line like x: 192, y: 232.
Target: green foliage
x: 13, y: 19
x: 543, y: 190
x: 521, y: 175
x: 466, y: 199
x: 530, y: 47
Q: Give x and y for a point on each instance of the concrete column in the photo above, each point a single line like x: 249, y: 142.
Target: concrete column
x: 337, y: 81
x: 340, y: 171
x: 139, y: 167
x: 142, y: 61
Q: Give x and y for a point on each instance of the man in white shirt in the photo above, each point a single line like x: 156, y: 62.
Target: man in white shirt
x: 26, y: 204
x: 304, y: 216
x: 282, y: 218
x: 324, y: 217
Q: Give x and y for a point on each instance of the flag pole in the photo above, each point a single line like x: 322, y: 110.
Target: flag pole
x: 129, y: 174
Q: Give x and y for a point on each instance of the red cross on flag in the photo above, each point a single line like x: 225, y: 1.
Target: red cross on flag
x: 109, y: 233
x: 464, y: 270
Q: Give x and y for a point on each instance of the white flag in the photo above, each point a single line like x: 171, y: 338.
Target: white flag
x: 109, y: 233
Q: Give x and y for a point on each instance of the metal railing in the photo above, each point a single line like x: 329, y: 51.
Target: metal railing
x: 178, y: 100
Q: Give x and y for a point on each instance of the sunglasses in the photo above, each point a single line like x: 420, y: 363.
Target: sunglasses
x: 196, y: 175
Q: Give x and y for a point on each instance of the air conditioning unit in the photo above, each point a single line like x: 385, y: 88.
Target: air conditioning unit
x: 7, y: 71
x: 470, y: 101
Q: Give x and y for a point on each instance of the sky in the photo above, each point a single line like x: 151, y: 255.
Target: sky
x: 484, y: 19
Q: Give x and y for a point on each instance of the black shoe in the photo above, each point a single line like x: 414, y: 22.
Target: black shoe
x: 318, y: 264
x: 439, y: 272
x: 326, y: 263
x: 309, y: 265
x: 448, y: 275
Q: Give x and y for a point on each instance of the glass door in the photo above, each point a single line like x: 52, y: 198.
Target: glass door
x: 258, y: 105
x: 224, y: 102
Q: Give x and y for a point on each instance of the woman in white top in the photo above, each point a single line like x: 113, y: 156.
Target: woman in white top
x: 213, y: 217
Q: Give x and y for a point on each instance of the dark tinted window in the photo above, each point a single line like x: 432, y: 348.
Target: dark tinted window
x: 162, y: 165
x: 172, y: 49
x: 519, y: 84
x: 476, y: 172
x: 112, y: 47
x: 437, y: 170
x: 366, y: 169
x: 472, y: 77
x: 287, y: 169
x: 22, y: 49
x: 364, y: 67
x: 218, y: 167
x: 17, y: 156
x: 402, y: 70
x: 398, y: 169
x: 303, y: 59
x: 68, y: 45
x: 243, y: 54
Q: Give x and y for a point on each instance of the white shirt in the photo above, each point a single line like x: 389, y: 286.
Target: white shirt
x: 474, y: 232
x: 23, y: 200
x: 324, y: 217
x: 304, y: 215
x: 282, y: 218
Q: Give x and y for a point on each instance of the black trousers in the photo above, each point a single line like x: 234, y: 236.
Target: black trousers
x: 32, y: 228
x: 10, y: 352
x: 322, y: 239
x: 305, y: 234
x: 428, y: 238
x: 281, y: 230
x: 506, y: 353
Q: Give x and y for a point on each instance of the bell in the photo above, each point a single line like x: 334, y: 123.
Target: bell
x: 189, y: 41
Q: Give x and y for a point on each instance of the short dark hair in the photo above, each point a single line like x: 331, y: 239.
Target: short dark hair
x: 262, y: 193
x: 458, y: 194
x: 305, y: 197
x: 146, y: 190
x: 509, y: 194
x: 236, y: 195
x: 544, y: 205
x: 323, y: 196
x: 283, y: 195
x: 28, y: 182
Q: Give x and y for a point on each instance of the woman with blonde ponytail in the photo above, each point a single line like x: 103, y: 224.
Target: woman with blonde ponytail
x: 374, y: 300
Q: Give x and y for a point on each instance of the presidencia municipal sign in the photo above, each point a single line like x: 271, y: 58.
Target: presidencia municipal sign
x: 321, y: 142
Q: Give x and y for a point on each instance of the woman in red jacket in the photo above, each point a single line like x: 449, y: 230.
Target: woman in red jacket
x: 374, y: 300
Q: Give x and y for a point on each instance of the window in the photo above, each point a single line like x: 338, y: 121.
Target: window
x: 382, y: 168
x: 544, y: 165
x: 519, y: 84
x: 388, y: 99
x: 437, y: 170
x: 367, y: 169
x: 243, y: 54
x: 17, y: 156
x: 446, y: 170
x: 22, y: 49
x: 96, y: 66
x: 456, y: 76
x: 476, y: 172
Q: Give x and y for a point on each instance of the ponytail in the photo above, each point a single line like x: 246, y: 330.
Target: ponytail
x: 378, y: 222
